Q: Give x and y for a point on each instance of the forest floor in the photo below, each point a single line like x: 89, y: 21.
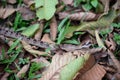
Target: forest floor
x: 59, y: 39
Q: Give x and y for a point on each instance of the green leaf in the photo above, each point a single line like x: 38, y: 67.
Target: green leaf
x: 62, y: 23
x: 117, y: 38
x: 34, y: 67
x: 45, y: 8
x: 73, y: 41
x: 17, y: 20
x: 62, y: 33
x: 87, y: 7
x: 77, y: 2
x: 94, y: 3
x: 15, y: 44
x: 30, y: 31
x: 10, y: 60
x: 73, y: 67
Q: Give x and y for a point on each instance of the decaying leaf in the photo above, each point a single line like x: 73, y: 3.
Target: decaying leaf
x: 11, y: 1
x: 102, y: 23
x: 53, y: 28
x: 110, y: 43
x: 40, y: 30
x: 5, y: 76
x: 28, y: 48
x: 117, y: 5
x: 67, y: 1
x: 95, y: 73
x: 73, y: 67
x: 26, y: 13
x: 23, y: 71
x: 106, y: 6
x: 99, y: 41
x: 115, y: 61
x: 42, y: 60
x: 58, y: 61
x: 5, y: 12
x: 67, y: 63
x: 47, y: 39
x: 78, y: 16
x: 28, y: 2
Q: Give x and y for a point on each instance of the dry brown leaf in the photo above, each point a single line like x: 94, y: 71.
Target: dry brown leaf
x: 5, y: 12
x: 28, y: 2
x: 23, y: 71
x: 46, y: 38
x: 106, y: 4
x: 116, y: 76
x: 117, y: 5
x: 115, y: 61
x: 53, y: 28
x: 41, y: 59
x: 27, y: 14
x: 78, y: 16
x: 110, y: 43
x: 58, y: 61
x: 95, y: 73
x: 5, y: 76
x: 11, y: 1
x: 39, y: 32
x: 67, y: 1
x: 98, y: 39
x: 60, y: 8
x: 28, y: 48
x: 88, y: 65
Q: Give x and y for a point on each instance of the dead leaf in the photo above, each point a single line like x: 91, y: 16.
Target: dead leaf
x: 23, y: 71
x: 39, y: 32
x: 88, y: 65
x: 5, y: 76
x: 58, y: 61
x: 42, y: 60
x: 95, y: 73
x: 117, y: 5
x: 11, y: 1
x: 110, y: 44
x: 106, y: 5
x: 78, y: 16
x: 28, y: 2
x: 5, y: 12
x: 53, y: 29
x: 60, y: 8
x: 116, y: 76
x: 67, y: 2
x: 99, y: 41
x: 28, y: 48
x: 46, y: 38
x: 26, y: 13
x: 115, y: 61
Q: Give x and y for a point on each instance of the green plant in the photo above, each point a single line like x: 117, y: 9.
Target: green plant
x: 13, y: 52
x: 19, y: 24
x: 86, y: 4
x: 33, y: 68
x: 62, y: 32
x: 116, y: 25
x: 23, y: 61
x: 2, y: 56
x: 117, y: 38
